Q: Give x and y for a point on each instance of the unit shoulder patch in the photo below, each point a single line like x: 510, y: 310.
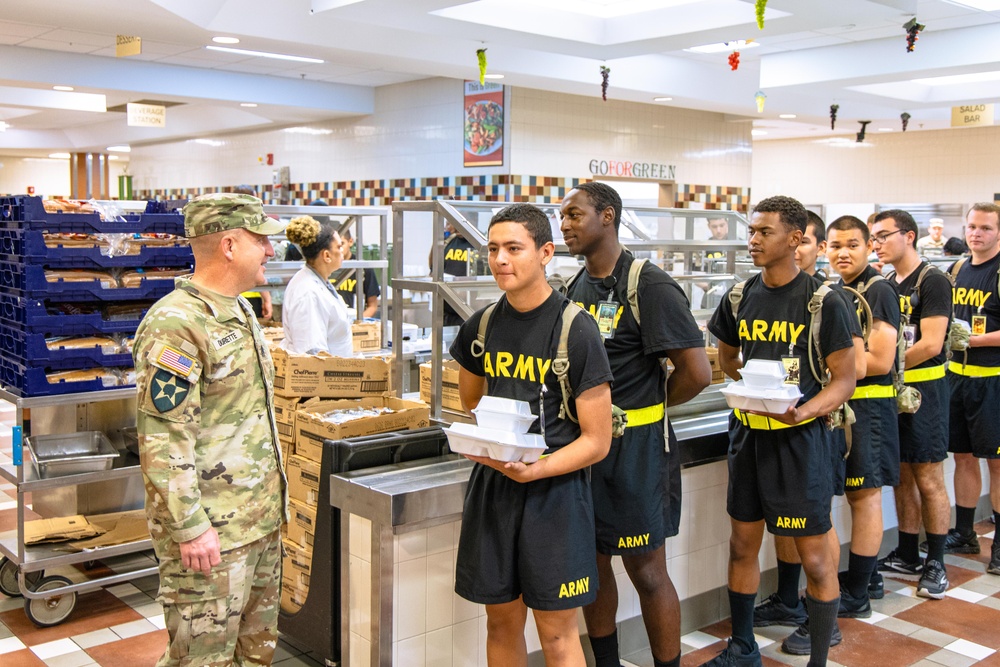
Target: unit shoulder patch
x: 167, y: 391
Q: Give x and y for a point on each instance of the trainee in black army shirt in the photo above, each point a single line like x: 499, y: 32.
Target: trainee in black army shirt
x: 933, y: 300
x: 346, y: 287
x: 456, y: 263
x: 884, y: 303
x: 976, y: 294
x: 633, y: 351
x: 518, y: 358
x: 772, y: 318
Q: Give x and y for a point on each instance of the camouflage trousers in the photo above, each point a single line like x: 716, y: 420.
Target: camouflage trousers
x: 228, y: 617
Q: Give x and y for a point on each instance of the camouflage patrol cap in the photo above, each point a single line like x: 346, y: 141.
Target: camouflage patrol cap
x: 222, y: 211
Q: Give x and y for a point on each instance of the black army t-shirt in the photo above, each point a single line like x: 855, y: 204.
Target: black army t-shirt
x: 517, y: 361
x: 976, y: 294
x: 346, y: 287
x: 774, y: 322
x: 633, y: 351
x: 933, y: 300
x: 884, y: 303
x: 456, y: 263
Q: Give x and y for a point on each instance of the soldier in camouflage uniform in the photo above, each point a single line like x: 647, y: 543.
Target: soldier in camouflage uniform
x: 211, y: 462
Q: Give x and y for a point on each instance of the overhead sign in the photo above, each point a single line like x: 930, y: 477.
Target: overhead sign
x: 972, y: 115
x: 637, y: 170
x: 146, y: 115
x: 127, y: 45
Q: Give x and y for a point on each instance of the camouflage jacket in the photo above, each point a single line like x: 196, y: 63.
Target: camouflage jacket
x: 208, y: 443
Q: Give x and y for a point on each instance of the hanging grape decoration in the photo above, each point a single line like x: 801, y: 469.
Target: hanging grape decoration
x: 734, y: 60
x: 833, y: 115
x: 605, y: 72
x: 759, y: 7
x: 912, y: 29
x: 481, y: 57
x: 905, y: 117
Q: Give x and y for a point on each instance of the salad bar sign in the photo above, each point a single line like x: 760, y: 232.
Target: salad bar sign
x: 483, y: 136
x: 626, y: 169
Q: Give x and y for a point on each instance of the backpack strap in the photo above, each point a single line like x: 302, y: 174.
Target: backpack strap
x: 735, y: 296
x: 815, y: 308
x: 560, y: 365
x: 956, y: 267
x: 479, y: 345
x: 633, y: 287
x: 564, y: 290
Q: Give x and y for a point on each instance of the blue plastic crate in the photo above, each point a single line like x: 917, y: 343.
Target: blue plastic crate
x: 29, y: 280
x: 29, y: 382
x: 28, y: 246
x: 33, y: 315
x: 30, y: 350
x: 28, y: 212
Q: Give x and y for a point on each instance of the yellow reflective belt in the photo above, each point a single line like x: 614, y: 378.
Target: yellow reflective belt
x: 923, y: 374
x: 974, y: 371
x: 251, y: 295
x: 762, y: 423
x: 874, y: 391
x: 644, y: 416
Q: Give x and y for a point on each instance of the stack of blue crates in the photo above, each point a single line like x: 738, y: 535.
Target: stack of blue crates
x: 34, y: 309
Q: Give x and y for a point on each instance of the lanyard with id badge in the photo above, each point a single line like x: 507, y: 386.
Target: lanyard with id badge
x: 607, y: 309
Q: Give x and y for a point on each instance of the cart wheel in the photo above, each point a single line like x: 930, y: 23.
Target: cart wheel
x: 53, y: 610
x: 8, y: 578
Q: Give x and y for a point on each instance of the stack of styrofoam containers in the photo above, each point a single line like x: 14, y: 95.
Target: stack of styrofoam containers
x: 762, y: 388
x: 500, y: 433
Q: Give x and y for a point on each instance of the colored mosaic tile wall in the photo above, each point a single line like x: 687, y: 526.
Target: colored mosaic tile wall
x: 497, y: 187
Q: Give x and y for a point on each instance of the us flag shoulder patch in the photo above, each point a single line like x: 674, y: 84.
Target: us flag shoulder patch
x: 176, y: 361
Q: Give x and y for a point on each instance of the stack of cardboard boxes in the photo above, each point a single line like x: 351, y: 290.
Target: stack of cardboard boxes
x: 304, y: 385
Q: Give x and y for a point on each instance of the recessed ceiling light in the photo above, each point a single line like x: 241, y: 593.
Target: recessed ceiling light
x: 662, y: 99
x: 214, y: 143
x: 114, y: 157
x: 120, y: 149
x: 249, y: 105
x: 226, y: 40
x: 265, y: 54
x: 493, y: 76
x: 787, y: 116
x: 64, y: 89
x: 4, y: 126
x: 982, y: 5
x: 758, y: 133
x: 738, y: 45
x: 885, y: 129
x: 59, y: 156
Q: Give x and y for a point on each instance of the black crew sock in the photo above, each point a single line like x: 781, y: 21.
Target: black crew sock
x: 605, y: 650
x: 859, y: 574
x: 964, y: 518
x: 822, y: 619
x: 741, y: 608
x: 788, y: 583
x: 996, y: 518
x: 935, y: 547
x: 676, y: 662
x: 907, y: 549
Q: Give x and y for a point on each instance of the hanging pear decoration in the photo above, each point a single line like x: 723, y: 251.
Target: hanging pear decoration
x: 481, y: 57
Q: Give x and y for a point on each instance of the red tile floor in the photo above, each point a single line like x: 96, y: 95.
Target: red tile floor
x: 123, y: 625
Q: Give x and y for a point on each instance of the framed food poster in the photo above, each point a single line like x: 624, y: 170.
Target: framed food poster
x: 483, y: 135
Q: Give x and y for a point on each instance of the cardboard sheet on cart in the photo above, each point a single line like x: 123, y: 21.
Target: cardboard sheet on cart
x: 60, y: 529
x: 120, y: 527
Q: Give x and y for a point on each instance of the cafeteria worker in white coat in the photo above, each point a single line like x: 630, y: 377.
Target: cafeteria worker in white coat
x: 313, y: 314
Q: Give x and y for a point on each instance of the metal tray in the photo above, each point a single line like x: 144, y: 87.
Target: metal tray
x: 131, y: 438
x: 71, y: 453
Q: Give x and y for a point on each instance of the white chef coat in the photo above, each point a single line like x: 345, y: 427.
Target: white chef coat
x: 315, y: 316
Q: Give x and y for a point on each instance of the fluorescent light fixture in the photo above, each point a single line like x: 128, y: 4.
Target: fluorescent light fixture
x: 64, y: 89
x: 214, y: 143
x: 120, y: 149
x: 4, y: 126
x: 249, y: 105
x: 59, y: 156
x: 114, y: 157
x: 493, y: 76
x: 885, y: 129
x: 982, y: 5
x: 721, y: 47
x: 226, y: 40
x: 787, y: 116
x: 958, y: 79
x: 265, y: 54
x: 758, y: 133
x: 307, y: 130
x: 662, y: 99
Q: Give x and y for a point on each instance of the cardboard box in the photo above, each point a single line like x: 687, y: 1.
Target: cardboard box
x: 718, y: 376
x: 323, y: 376
x: 366, y: 336
x: 311, y: 430
x: 303, y: 479
x: 284, y: 415
x: 302, y: 526
x: 297, y: 564
x: 60, y: 529
x: 449, y: 385
x: 293, y: 596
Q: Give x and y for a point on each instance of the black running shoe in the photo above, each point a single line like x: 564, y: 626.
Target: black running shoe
x: 733, y: 656
x: 957, y: 543
x: 773, y: 611
x: 899, y: 567
x: 799, y: 643
x: 852, y: 607
x: 876, y: 587
x: 994, y: 566
x: 934, y: 580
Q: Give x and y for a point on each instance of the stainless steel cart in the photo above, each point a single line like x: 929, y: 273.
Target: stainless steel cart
x: 49, y: 600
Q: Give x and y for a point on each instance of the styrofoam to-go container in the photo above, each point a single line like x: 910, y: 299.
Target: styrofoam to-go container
x: 504, y: 414
x: 763, y: 374
x: 777, y: 400
x: 500, y: 445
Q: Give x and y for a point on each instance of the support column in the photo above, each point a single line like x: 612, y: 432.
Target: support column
x: 88, y: 176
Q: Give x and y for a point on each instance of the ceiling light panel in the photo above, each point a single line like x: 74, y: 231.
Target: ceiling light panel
x: 265, y: 54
